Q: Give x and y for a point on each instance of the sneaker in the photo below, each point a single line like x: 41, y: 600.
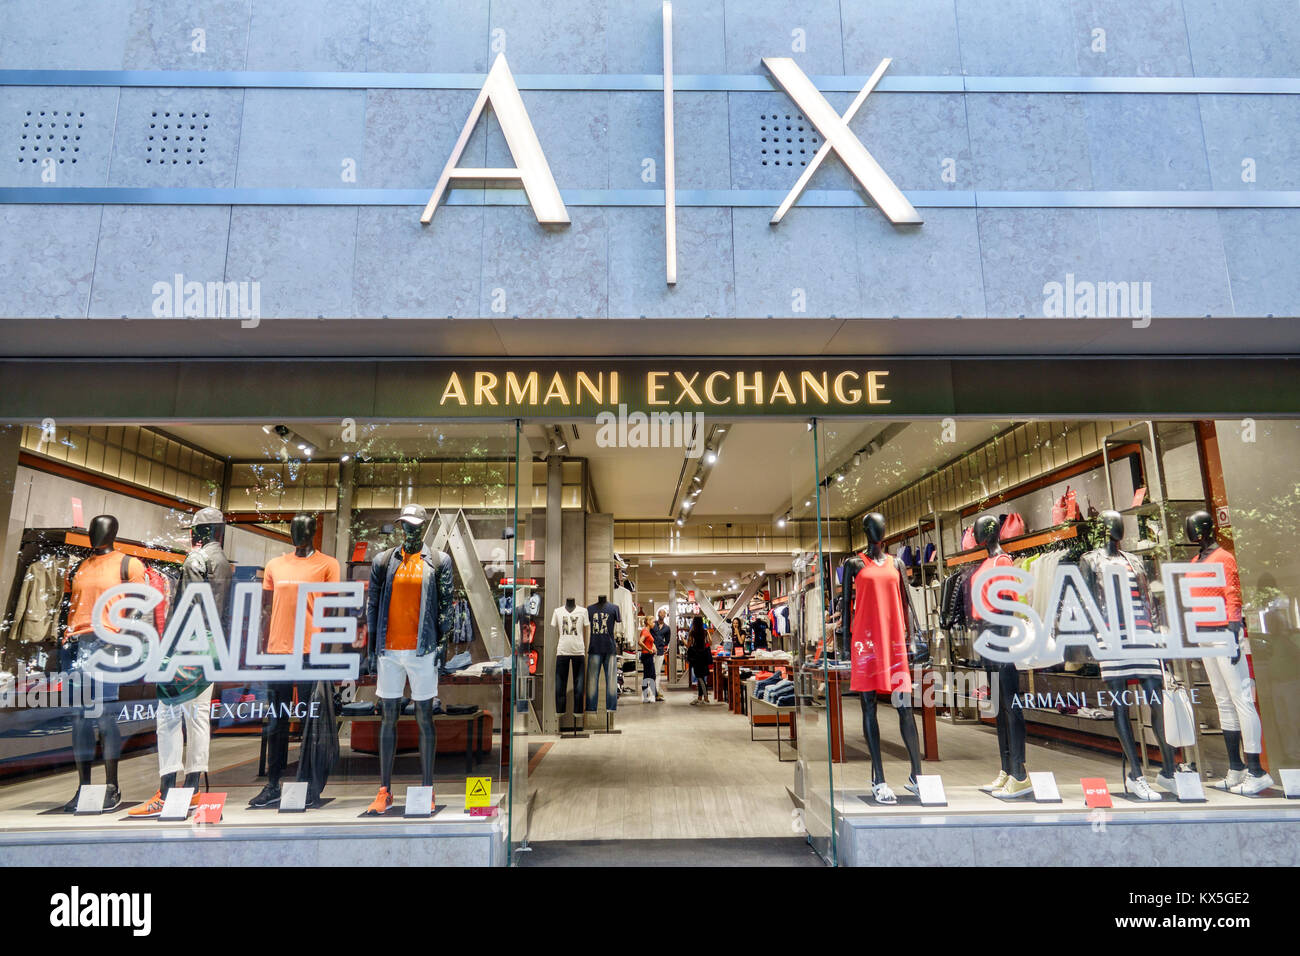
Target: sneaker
x: 113, y: 798
x: 1165, y: 781
x: 269, y: 797
x: 196, y: 800
x: 382, y: 803
x: 1233, y: 779
x: 882, y: 793
x: 71, y: 805
x: 151, y: 809
x: 1014, y: 789
x: 660, y: 699
x: 1139, y: 788
x: 1253, y: 785
x: 997, y: 783
x: 912, y: 786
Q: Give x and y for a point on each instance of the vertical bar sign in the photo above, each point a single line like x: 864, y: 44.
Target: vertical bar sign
x: 670, y: 161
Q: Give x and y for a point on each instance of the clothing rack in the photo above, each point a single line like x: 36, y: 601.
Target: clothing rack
x: 1025, y: 542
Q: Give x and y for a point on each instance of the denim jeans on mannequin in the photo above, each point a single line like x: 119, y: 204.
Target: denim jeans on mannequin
x: 596, y: 665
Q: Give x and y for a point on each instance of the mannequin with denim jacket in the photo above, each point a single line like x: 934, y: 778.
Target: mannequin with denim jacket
x: 417, y: 665
x: 873, y: 526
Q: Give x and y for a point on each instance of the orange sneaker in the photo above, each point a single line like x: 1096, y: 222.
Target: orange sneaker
x: 382, y: 803
x: 196, y: 800
x: 151, y: 809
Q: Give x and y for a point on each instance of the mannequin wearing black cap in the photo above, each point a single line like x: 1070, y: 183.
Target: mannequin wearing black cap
x: 281, y: 580
x: 187, y: 698
x: 409, y: 617
x: 103, y: 569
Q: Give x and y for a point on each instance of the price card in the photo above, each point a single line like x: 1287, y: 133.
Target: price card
x: 293, y: 797
x: 930, y: 786
x: 1045, y: 788
x: 1188, y: 787
x: 419, y: 802
x: 177, y: 804
x: 1290, y: 783
x: 209, y: 809
x: 1095, y: 792
x: 91, y: 798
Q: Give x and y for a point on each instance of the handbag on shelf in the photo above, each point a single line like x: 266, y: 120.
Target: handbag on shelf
x: 1013, y: 526
x: 968, y: 538
x: 1066, y: 507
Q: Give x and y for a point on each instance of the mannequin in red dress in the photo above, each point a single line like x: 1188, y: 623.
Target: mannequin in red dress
x: 878, y: 619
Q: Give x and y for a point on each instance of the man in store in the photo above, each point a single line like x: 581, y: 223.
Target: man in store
x: 661, y: 633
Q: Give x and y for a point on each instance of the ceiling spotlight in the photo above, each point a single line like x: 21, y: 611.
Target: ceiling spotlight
x: 680, y: 522
x: 807, y: 504
x: 345, y: 458
x: 780, y: 522
x: 687, y: 503
x: 857, y: 460
x: 674, y: 574
x: 840, y: 476
x: 696, y: 492
x: 710, y: 457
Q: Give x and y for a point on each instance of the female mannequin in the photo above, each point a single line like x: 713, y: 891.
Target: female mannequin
x: 1110, y: 567
x: 1012, y: 781
x: 877, y: 622
x: 570, y: 655
x: 1234, y: 688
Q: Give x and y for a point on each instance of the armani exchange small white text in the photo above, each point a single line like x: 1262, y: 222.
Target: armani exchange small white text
x: 77, y: 909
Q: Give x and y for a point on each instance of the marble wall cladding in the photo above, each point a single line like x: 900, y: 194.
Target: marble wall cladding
x: 47, y: 259
x: 1252, y: 142
x: 56, y: 135
x: 177, y: 137
x: 188, y: 35
x: 301, y: 138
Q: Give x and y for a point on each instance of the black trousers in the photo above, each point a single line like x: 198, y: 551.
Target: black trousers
x: 566, y: 664
x: 276, y: 728
x: 1011, y: 718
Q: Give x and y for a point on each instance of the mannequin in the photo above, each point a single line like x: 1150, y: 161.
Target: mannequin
x: 879, y: 619
x: 602, y: 653
x: 280, y: 583
x: 1149, y: 675
x: 188, y: 698
x: 1012, y: 781
x: 1234, y: 688
x: 570, y: 654
x: 624, y: 597
x: 103, y: 569
x: 409, y: 613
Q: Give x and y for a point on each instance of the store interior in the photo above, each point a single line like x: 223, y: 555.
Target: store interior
x: 766, y: 523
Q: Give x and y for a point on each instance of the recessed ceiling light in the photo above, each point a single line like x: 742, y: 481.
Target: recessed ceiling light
x: 711, y: 457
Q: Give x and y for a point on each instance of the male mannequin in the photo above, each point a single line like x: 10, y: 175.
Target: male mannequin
x: 188, y: 698
x: 1012, y: 781
x: 661, y: 633
x: 409, y: 615
x: 601, y: 653
x: 280, y: 586
x: 1134, y: 591
x: 877, y: 621
x: 570, y: 654
x: 103, y: 569
x: 1234, y: 688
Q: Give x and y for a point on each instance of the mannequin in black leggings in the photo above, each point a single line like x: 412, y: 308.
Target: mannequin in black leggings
x: 1151, y: 688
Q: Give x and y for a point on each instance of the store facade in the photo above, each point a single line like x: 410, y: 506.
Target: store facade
x: 985, y: 251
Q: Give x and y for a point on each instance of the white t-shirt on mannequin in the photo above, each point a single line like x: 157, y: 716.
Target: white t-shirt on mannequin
x: 571, y: 625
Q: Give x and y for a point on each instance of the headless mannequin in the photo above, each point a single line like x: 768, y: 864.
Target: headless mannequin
x: 1011, y: 717
x: 1153, y: 687
x: 873, y: 525
x: 103, y: 536
x: 412, y: 542
x: 1200, y: 530
x: 570, y: 664
x: 199, y: 536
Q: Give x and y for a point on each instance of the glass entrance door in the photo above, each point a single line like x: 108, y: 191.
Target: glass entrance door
x: 525, y: 634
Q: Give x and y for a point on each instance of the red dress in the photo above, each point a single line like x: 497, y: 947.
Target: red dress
x: 879, y: 651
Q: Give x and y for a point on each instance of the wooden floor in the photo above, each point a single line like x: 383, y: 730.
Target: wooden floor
x: 675, y: 772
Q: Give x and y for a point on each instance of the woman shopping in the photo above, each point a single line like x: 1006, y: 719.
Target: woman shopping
x: 700, y: 656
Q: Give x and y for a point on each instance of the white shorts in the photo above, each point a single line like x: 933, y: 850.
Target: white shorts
x: 396, y: 667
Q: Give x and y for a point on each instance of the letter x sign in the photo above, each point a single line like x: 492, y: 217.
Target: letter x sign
x: 838, y: 137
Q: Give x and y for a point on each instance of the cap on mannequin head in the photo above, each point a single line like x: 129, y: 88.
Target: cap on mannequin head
x: 1113, y: 522
x: 207, y: 524
x: 873, y: 526
x: 102, y: 532
x: 1199, y: 527
x: 302, y: 531
x: 986, y: 529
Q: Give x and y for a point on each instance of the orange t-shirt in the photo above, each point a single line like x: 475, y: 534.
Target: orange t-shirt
x: 647, y: 641
x: 404, y: 604
x: 93, y: 576
x: 282, y: 577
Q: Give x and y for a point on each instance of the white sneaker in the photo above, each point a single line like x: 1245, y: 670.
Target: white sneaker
x: 1233, y: 779
x: 997, y: 783
x: 882, y: 793
x: 1165, y: 781
x: 1139, y: 788
x: 912, y: 786
x: 1253, y: 785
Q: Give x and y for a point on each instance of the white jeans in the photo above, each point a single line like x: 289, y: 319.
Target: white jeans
x: 660, y: 677
x: 196, y: 715
x: 1234, y: 692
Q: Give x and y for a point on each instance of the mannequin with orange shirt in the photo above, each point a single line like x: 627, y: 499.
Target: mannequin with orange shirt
x: 281, y: 581
x: 105, y: 568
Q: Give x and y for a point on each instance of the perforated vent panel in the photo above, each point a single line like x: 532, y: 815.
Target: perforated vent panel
x: 786, y: 139
x: 177, y: 138
x: 50, y: 133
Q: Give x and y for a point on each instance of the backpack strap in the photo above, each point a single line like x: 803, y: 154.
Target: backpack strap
x: 126, y: 568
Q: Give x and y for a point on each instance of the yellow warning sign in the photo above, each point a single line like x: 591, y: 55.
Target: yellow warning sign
x: 478, y: 791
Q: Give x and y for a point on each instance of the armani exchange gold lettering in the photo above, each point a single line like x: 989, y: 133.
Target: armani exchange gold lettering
x: 769, y: 388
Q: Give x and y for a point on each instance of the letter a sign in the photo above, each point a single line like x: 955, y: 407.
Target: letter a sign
x: 835, y: 129
x: 530, y: 167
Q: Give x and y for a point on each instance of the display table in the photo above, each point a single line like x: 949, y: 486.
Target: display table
x: 837, y: 682
x: 778, y: 716
x: 474, y: 736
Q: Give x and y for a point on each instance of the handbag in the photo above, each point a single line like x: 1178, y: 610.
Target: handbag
x: 1012, y: 527
x: 968, y: 538
x: 1066, y: 507
x: 1180, y: 719
x: 918, y: 648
